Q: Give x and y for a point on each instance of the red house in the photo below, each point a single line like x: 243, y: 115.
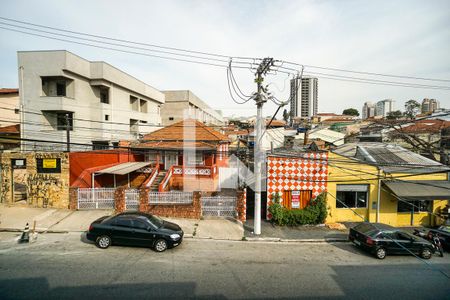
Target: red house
x: 187, y: 156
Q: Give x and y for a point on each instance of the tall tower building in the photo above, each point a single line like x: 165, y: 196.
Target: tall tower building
x: 429, y: 105
x: 304, y: 100
x: 384, y: 107
x: 368, y: 110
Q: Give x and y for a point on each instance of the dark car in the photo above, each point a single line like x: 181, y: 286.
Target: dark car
x: 381, y: 239
x: 135, y: 229
x: 443, y: 233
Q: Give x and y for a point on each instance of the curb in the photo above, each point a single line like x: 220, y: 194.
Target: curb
x: 281, y: 240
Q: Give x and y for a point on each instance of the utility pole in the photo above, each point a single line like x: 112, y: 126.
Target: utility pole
x: 68, y: 132
x: 259, y: 156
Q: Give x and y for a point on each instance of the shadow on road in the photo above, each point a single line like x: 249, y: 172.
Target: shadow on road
x: 84, y: 239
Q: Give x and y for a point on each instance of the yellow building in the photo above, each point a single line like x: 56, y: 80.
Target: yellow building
x: 385, y: 183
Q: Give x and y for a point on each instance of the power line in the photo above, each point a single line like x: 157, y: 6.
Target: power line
x: 368, y: 73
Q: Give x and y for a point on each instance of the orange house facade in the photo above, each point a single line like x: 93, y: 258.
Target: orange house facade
x: 186, y: 156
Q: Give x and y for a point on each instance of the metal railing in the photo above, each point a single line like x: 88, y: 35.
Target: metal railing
x: 97, y: 198
x: 219, y: 206
x: 169, y: 198
x: 132, y: 199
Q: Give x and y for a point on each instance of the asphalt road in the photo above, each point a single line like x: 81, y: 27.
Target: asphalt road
x: 63, y: 266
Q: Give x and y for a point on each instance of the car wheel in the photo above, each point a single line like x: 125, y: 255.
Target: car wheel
x: 425, y: 253
x: 103, y: 242
x: 380, y: 253
x: 160, y: 245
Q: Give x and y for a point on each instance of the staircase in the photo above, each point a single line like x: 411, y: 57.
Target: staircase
x: 155, y: 185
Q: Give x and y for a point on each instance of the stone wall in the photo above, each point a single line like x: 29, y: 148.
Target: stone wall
x: 43, y: 189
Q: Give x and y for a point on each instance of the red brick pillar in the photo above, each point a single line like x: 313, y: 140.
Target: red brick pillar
x: 119, y: 199
x: 73, y: 198
x: 144, y: 205
x: 197, y: 204
x: 241, y: 204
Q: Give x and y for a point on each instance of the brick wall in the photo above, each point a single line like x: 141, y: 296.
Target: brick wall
x: 73, y: 198
x: 190, y: 211
x: 241, y: 204
x: 119, y: 200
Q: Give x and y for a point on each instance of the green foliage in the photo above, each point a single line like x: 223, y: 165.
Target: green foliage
x: 412, y: 108
x: 394, y: 115
x: 351, y: 112
x: 314, y: 213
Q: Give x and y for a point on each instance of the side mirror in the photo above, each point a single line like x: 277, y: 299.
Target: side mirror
x: 149, y: 228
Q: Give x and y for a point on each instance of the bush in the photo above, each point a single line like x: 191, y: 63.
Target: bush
x: 314, y: 213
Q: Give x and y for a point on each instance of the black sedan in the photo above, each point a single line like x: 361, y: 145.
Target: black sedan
x: 381, y: 239
x: 135, y: 229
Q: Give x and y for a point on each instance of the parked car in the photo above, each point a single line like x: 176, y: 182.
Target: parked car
x: 443, y: 233
x: 135, y: 229
x: 382, y: 239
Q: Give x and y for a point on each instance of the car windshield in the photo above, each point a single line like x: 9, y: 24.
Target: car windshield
x: 158, y: 222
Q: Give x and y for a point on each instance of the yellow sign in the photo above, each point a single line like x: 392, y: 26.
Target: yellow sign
x: 49, y: 163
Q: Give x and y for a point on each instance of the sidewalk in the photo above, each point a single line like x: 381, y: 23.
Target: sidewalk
x: 270, y: 232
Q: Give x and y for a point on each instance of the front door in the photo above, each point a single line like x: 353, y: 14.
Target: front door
x: 171, y: 158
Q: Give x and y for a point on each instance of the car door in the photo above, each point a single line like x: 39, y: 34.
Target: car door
x: 142, y: 234
x: 405, y: 244
x: 122, y: 231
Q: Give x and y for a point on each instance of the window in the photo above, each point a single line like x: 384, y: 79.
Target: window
x: 140, y: 225
x: 61, y: 88
x: 195, y: 160
x: 134, y: 104
x: 352, y: 196
x: 170, y: 118
x: 143, y: 106
x: 104, y: 95
x: 134, y: 126
x: 16, y: 111
x: 123, y: 222
x: 115, y: 145
x: 100, y: 145
x: 106, y: 117
x: 416, y: 206
x: 61, y: 121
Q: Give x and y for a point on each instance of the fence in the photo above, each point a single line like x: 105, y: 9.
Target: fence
x: 98, y: 198
x: 219, y: 206
x: 132, y: 199
x: 169, y: 198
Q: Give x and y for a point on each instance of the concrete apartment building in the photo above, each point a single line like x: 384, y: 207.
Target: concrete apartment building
x: 184, y: 104
x: 9, y: 107
x: 429, y: 105
x: 304, y: 100
x: 98, y: 102
x: 368, y: 110
x: 384, y: 107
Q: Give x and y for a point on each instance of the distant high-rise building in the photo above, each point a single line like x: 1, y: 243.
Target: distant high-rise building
x: 429, y: 105
x: 384, y: 107
x: 368, y: 110
x: 304, y: 101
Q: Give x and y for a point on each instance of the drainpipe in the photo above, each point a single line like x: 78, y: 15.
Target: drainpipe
x: 378, y: 196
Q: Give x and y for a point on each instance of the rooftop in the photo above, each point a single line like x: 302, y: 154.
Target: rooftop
x: 186, y: 130
x: 5, y: 91
x: 390, y: 158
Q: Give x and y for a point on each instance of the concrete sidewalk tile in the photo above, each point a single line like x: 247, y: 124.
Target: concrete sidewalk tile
x: 220, y: 229
x: 79, y: 220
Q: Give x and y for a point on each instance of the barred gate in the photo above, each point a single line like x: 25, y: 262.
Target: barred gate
x: 98, y: 198
x: 132, y: 199
x: 219, y: 206
x: 170, y: 198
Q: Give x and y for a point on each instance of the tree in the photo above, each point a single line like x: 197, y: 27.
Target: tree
x: 394, y: 115
x: 286, y: 116
x: 350, y: 112
x: 412, y: 108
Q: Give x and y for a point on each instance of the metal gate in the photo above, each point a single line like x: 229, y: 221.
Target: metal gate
x: 98, y: 198
x: 219, y: 206
x: 132, y: 199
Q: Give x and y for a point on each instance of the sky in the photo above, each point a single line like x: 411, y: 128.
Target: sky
x: 390, y: 37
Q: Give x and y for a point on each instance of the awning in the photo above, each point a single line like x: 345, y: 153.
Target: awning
x: 419, y: 189
x: 124, y: 168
